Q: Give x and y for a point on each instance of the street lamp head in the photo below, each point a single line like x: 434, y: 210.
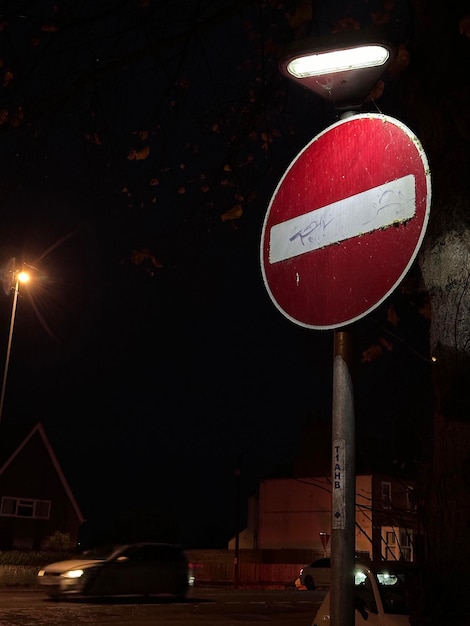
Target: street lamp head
x: 23, y: 277
x: 341, y: 68
x: 11, y: 275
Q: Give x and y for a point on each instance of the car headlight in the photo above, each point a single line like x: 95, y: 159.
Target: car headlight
x: 73, y: 573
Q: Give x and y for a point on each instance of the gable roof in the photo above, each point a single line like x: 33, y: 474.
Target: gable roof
x: 38, y: 430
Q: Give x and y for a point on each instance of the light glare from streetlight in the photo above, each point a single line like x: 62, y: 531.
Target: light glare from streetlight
x: 23, y: 277
x: 329, y: 62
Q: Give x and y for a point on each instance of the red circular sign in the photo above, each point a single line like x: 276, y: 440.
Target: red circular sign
x: 346, y: 221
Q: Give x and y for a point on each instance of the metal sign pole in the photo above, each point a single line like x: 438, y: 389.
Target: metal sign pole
x: 343, y: 509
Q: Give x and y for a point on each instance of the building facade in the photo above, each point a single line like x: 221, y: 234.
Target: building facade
x: 35, y: 498
x: 295, y: 514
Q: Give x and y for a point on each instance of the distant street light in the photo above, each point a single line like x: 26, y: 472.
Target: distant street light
x: 12, y: 280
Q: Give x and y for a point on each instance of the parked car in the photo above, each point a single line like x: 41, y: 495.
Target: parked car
x: 380, y: 597
x: 317, y: 574
x: 134, y: 569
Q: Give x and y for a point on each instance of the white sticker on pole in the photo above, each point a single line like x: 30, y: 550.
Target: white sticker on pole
x: 338, y: 512
x: 378, y: 208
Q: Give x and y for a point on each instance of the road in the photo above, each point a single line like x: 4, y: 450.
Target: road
x: 205, y: 607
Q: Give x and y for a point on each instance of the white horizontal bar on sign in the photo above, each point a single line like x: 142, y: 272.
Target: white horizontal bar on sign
x: 377, y: 208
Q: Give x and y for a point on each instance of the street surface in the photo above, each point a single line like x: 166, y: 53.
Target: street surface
x: 207, y: 606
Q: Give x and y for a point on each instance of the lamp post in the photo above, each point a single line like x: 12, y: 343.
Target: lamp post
x: 17, y: 277
x: 343, y: 72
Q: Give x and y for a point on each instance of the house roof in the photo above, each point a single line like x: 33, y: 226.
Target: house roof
x: 39, y: 431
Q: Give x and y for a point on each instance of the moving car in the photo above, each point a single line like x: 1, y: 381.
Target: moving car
x: 317, y: 574
x: 380, y: 596
x: 133, y: 569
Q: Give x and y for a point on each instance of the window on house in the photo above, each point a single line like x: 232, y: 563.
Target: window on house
x: 390, y: 545
x: 43, y: 509
x: 386, y: 491
x: 410, y: 498
x: 397, y: 544
x: 406, y: 545
x: 8, y: 506
x: 25, y: 507
x: 391, y: 539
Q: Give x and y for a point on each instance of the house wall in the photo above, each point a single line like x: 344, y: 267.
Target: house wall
x: 293, y: 512
x: 32, y: 475
x: 364, y: 516
x: 398, y: 515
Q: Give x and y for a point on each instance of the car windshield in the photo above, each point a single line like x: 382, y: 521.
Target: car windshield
x: 100, y: 552
x: 395, y: 587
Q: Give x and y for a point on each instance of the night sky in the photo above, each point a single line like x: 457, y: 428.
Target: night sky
x: 138, y: 156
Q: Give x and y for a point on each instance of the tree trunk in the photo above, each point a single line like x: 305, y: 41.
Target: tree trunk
x: 440, y: 113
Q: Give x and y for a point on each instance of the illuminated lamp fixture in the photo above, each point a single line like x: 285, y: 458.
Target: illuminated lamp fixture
x: 342, y: 69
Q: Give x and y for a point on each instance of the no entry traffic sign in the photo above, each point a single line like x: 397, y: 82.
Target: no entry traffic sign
x: 346, y: 221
